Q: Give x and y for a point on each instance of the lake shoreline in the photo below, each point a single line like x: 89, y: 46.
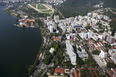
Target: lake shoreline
x: 30, y: 68
x: 27, y: 65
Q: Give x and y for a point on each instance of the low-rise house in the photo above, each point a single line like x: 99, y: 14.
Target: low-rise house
x: 112, y: 53
x: 67, y: 71
x: 59, y: 70
x: 103, y: 54
x: 112, y: 72
x: 57, y: 38
x: 82, y: 54
x: 51, y: 50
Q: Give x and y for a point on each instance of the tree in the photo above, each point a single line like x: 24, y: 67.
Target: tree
x: 73, y: 31
x: 45, y: 75
x: 113, y: 27
x: 79, y: 49
x: 52, y: 72
x: 111, y: 65
x: 88, y: 27
x: 48, y: 58
x: 96, y: 52
x: 58, y: 73
x: 65, y: 74
x: 79, y: 62
x: 107, y: 45
x: 83, y: 74
x: 113, y: 32
x: 90, y: 62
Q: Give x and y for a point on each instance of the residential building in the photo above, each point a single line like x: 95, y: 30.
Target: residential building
x: 110, y: 39
x: 112, y: 53
x: 71, y: 52
x: 56, y: 18
x: 51, y: 50
x: 103, y: 54
x: 59, y: 70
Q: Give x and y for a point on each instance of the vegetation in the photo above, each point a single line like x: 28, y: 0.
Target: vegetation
x: 48, y: 58
x: 113, y: 26
x: 88, y: 27
x: 79, y: 62
x: 31, y: 12
x: 96, y: 52
x: 111, y: 65
x: 58, y: 54
x: 43, y: 9
x: 46, y: 11
x: 40, y: 6
x: 34, y: 5
x: 90, y: 62
x: 82, y: 7
x: 33, y: 67
x: 109, y: 3
x: 77, y: 7
x: 39, y: 74
x: 107, y: 45
x: 113, y: 17
x: 83, y: 72
x: 110, y: 14
x: 90, y: 73
x: 79, y: 49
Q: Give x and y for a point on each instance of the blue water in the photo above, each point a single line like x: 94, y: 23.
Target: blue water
x: 18, y: 47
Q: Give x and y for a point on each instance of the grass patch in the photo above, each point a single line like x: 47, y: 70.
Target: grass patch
x: 47, y: 10
x: 34, y: 5
x: 40, y: 6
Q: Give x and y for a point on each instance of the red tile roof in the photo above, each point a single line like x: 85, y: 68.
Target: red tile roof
x: 114, y: 70
x: 60, y: 70
x: 76, y: 74
x: 79, y: 73
x: 56, y: 38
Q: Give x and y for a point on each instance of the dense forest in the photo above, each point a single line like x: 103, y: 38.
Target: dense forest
x: 81, y: 7
x: 109, y: 3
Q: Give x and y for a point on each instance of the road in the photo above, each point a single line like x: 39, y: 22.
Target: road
x: 41, y: 64
x: 112, y: 11
x: 39, y: 10
x: 60, y: 13
x: 100, y: 69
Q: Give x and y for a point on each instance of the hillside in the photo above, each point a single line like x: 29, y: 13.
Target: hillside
x: 81, y: 7
x: 109, y: 3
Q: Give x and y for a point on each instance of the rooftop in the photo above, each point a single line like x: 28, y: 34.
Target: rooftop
x: 60, y: 70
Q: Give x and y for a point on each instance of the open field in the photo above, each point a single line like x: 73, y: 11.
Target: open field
x: 42, y: 8
x: 34, y: 5
x: 46, y: 10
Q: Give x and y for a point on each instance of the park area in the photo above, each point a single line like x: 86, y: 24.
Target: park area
x: 42, y: 8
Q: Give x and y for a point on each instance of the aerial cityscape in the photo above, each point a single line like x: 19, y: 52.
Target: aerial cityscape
x: 58, y: 38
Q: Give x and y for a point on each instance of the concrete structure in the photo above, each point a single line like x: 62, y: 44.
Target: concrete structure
x: 86, y: 35
x: 59, y: 70
x: 82, y: 54
x: 112, y: 53
x: 103, y: 54
x: 51, y: 50
x: 71, y: 52
x: 56, y: 18
x: 110, y: 39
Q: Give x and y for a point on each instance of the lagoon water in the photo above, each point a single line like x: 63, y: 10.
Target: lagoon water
x: 18, y: 47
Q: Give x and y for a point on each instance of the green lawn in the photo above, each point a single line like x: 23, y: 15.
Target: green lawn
x: 34, y: 5
x: 47, y: 10
x: 40, y: 6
